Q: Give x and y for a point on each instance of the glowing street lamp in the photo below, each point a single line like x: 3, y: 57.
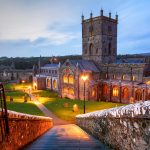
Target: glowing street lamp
x: 23, y: 81
x: 84, y: 78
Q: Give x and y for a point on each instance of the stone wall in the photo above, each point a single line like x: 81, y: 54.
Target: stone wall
x: 123, y: 128
x: 24, y: 129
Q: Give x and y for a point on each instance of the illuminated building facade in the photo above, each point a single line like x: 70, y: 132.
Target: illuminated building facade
x: 47, y: 77
x: 108, y: 79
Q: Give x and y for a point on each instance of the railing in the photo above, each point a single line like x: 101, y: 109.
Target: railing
x: 4, y: 127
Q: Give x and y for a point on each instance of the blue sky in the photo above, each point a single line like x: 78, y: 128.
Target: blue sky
x: 53, y: 27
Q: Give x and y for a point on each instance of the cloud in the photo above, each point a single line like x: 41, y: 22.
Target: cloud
x: 35, y: 26
x: 20, y: 21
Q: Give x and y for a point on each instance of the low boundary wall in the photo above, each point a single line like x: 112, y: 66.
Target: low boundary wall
x: 24, y: 129
x: 122, y: 128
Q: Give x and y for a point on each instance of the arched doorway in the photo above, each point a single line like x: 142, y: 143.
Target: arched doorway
x: 54, y: 84
x: 65, y: 90
x: 125, y: 93
x: 138, y: 95
x: 71, y: 91
x: 48, y: 83
x: 105, y: 90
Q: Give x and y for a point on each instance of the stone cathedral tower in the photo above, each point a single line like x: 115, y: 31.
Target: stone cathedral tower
x: 99, y: 38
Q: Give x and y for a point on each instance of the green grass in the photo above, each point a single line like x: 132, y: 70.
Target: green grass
x: 15, y: 93
x: 56, y: 105
x: 16, y: 86
x: 28, y: 108
x: 18, y: 103
x: 45, y: 93
x: 8, y: 86
x: 52, y: 102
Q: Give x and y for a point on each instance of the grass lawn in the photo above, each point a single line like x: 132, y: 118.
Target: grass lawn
x: 45, y: 93
x: 28, y: 108
x: 15, y: 93
x: 18, y: 103
x: 56, y: 105
x: 52, y: 102
x: 16, y: 86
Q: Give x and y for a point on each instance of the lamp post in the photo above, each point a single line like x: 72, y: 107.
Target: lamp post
x: 84, y: 78
x: 120, y: 90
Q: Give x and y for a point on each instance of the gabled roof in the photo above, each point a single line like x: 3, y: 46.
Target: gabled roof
x: 85, y: 65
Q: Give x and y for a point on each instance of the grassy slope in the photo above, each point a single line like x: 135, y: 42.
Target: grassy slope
x: 18, y: 103
x: 56, y: 105
x: 28, y: 108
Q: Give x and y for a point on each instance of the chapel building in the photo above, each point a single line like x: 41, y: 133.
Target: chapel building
x: 108, y: 79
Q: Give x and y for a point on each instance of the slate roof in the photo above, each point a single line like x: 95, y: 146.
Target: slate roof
x: 85, y: 65
x: 131, y: 60
x: 51, y: 65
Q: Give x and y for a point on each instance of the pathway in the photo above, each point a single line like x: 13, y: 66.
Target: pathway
x: 63, y: 136
x: 56, y: 120
x: 66, y: 137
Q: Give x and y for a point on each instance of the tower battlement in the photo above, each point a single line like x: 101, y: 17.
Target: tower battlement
x: 99, y: 38
x: 100, y: 17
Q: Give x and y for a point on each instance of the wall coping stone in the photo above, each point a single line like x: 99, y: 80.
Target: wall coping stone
x: 18, y: 115
x: 136, y: 110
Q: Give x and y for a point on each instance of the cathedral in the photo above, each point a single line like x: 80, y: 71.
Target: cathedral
x: 99, y: 76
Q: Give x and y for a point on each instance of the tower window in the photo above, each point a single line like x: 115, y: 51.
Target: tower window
x: 109, y: 48
x: 109, y: 29
x: 90, y: 49
x: 97, y: 51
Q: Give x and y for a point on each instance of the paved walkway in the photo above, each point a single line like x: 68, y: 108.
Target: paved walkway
x: 63, y: 136
x: 56, y: 120
x: 66, y: 137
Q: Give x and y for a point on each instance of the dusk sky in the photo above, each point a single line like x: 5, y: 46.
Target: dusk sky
x: 53, y: 27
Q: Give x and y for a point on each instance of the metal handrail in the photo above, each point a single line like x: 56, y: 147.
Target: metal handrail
x: 4, y: 127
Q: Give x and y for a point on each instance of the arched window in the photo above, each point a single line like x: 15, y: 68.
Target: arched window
x: 54, y: 84
x: 71, y: 91
x: 65, y: 90
x: 48, y: 83
x: 93, y: 92
x: 123, y: 77
x: 125, y: 93
x: 138, y: 95
x: 106, y: 76
x: 133, y: 78
x: 91, y: 49
x: 114, y: 76
x: 65, y: 79
x: 109, y: 48
x: 71, y: 79
x: 115, y: 91
x: 105, y: 90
